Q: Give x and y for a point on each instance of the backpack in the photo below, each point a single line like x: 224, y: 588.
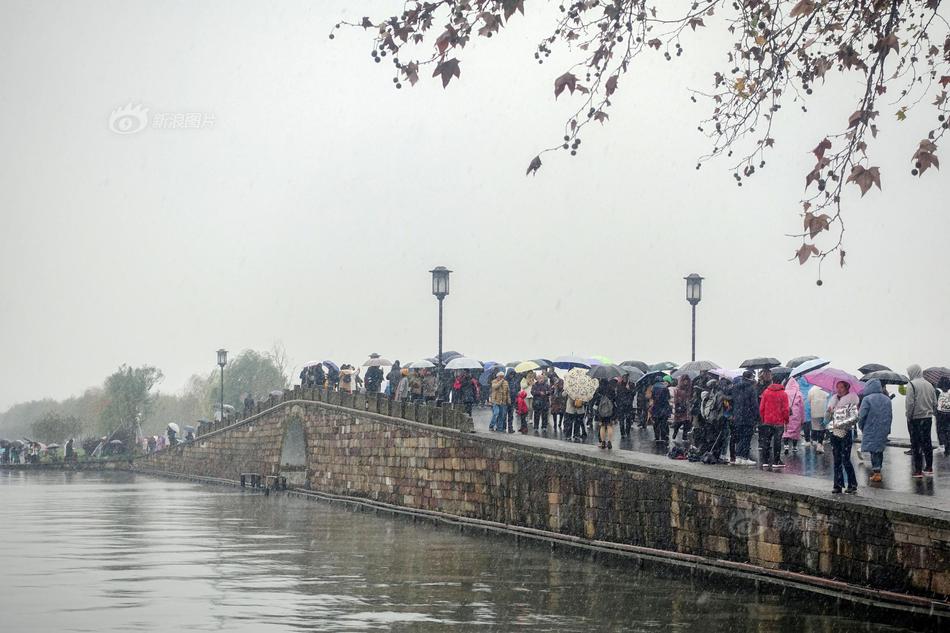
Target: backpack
x: 346, y: 379
x: 943, y: 401
x: 605, y: 407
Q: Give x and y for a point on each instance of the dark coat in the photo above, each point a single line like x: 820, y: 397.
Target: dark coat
x: 745, y: 404
x: 874, y: 418
x: 661, y: 402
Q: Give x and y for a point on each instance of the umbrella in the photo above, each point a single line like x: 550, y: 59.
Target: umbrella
x: 692, y: 374
x: 312, y: 363
x: 543, y: 363
x: 446, y: 357
x: 698, y: 366
x: 279, y: 392
x: 331, y: 365
x: 420, y: 364
x: 781, y: 373
x: 116, y: 442
x: 639, y: 364
x: 886, y: 377
x: 650, y: 377
x: 578, y: 385
x: 798, y: 360
x: 526, y: 366
x: 633, y: 372
x: 867, y: 369
x: 603, y: 360
x: 808, y: 366
x: 173, y: 427
x: 570, y: 362
x: 489, y: 373
x: 463, y: 363
x: 52, y: 447
x: 829, y: 377
x: 4, y: 443
x: 513, y: 364
x: 605, y: 371
x: 728, y: 374
x: 664, y: 366
x: 377, y: 362
x: 766, y: 362
x: 934, y: 374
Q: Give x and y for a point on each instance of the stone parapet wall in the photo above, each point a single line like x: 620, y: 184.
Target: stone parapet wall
x: 355, y: 451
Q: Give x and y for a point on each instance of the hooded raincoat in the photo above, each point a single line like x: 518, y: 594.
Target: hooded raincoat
x: 874, y: 418
x: 796, y: 417
x: 921, y: 397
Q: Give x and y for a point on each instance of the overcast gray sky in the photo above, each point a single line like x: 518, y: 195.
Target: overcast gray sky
x: 311, y: 206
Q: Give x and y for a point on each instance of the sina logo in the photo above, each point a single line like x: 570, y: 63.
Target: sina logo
x: 129, y: 119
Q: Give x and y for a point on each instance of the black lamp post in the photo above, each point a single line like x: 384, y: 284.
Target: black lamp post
x: 440, y: 288
x: 694, y: 294
x: 222, y: 361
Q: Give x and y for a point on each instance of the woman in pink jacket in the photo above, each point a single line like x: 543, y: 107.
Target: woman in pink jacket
x: 796, y: 404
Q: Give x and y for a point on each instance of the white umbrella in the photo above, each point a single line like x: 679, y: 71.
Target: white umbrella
x: 463, y: 363
x: 809, y: 365
x: 173, y: 427
x: 377, y: 362
x: 729, y: 374
x: 312, y: 363
x: 420, y: 364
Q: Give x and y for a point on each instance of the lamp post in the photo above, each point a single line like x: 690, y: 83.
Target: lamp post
x: 694, y: 294
x: 222, y: 361
x: 440, y: 288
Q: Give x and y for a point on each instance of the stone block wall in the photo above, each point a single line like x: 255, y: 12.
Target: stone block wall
x: 422, y: 466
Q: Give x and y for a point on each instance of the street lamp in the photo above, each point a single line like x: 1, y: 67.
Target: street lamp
x: 440, y: 288
x: 222, y: 361
x: 694, y: 294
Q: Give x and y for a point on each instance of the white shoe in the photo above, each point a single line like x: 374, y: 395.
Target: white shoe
x: 820, y: 449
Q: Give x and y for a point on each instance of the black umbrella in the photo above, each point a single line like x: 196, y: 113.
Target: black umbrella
x: 605, y: 372
x: 870, y: 367
x: 650, y: 377
x: 781, y: 373
x: 934, y: 374
x: 639, y: 364
x: 663, y: 366
x: 692, y: 374
x: 765, y: 362
x: 634, y: 373
x: 513, y: 364
x: 543, y: 363
x: 886, y: 377
x: 798, y: 360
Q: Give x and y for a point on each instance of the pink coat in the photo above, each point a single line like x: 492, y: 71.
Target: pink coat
x: 793, y: 430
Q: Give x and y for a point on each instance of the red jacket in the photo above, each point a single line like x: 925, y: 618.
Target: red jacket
x: 522, y: 406
x: 773, y: 408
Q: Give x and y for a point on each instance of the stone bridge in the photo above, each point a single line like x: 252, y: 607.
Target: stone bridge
x: 428, y: 460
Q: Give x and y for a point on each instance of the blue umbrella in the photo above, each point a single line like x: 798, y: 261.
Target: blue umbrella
x: 331, y: 365
x: 570, y: 362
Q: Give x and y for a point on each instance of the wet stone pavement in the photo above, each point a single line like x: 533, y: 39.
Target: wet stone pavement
x: 805, y: 471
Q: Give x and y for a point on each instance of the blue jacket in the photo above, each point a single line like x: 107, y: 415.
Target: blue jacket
x: 874, y: 418
x: 805, y: 387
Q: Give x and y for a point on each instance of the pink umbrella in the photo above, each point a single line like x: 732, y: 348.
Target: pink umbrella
x: 829, y: 377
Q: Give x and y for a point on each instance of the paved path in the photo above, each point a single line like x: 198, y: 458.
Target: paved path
x: 805, y: 472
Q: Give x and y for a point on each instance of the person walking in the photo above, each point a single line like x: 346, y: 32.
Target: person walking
x: 500, y: 399
x: 874, y: 420
x: 796, y: 416
x: 920, y: 404
x: 745, y: 411
x: 818, y: 405
x: 774, y: 413
x: 943, y: 414
x: 604, y: 401
x: 843, y: 413
x: 541, y: 392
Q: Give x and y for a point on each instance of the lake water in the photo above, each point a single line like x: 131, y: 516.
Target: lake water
x: 123, y: 552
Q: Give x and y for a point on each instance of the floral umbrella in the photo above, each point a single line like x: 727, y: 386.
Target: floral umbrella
x: 578, y: 385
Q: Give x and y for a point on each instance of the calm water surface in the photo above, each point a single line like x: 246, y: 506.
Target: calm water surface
x: 120, y: 552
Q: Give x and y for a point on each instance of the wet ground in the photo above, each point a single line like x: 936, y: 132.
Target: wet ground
x: 806, y: 469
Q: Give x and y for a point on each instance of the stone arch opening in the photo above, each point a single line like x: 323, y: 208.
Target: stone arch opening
x: 293, y: 453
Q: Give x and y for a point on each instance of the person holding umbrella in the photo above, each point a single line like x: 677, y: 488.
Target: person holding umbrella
x: 818, y: 405
x: 874, y: 420
x: 605, y: 401
x: 745, y: 412
x: 920, y: 404
x: 541, y: 393
x: 660, y: 411
x: 943, y: 414
x: 796, y: 403
x: 774, y: 413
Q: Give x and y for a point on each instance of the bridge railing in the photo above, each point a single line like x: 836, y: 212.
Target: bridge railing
x: 446, y: 416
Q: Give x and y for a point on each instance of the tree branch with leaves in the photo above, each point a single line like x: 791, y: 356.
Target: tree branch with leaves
x: 782, y: 51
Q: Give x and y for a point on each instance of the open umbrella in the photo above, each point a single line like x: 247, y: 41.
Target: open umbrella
x: 828, y: 378
x: 578, y: 385
x: 116, y: 442
x: 420, y: 364
x: 52, y: 447
x: 762, y: 362
x: 570, y: 362
x: 867, y: 369
x: 463, y: 363
x: 526, y: 366
x: 781, y: 373
x: 489, y: 373
x: 729, y: 374
x: 173, y: 427
x: 447, y: 356
x: 513, y: 364
x: 651, y: 377
x: 934, y: 374
x: 809, y: 366
x: 605, y: 372
x: 692, y: 374
x: 377, y: 362
x: 331, y: 365
x: 663, y: 366
x: 603, y: 360
x: 312, y: 363
x: 698, y: 366
x: 280, y: 392
x: 639, y: 364
x: 633, y: 373
x: 886, y: 377
x: 798, y: 360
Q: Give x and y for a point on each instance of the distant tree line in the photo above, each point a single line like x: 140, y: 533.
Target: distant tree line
x: 129, y: 400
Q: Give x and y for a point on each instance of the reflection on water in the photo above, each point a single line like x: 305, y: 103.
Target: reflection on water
x: 120, y: 552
